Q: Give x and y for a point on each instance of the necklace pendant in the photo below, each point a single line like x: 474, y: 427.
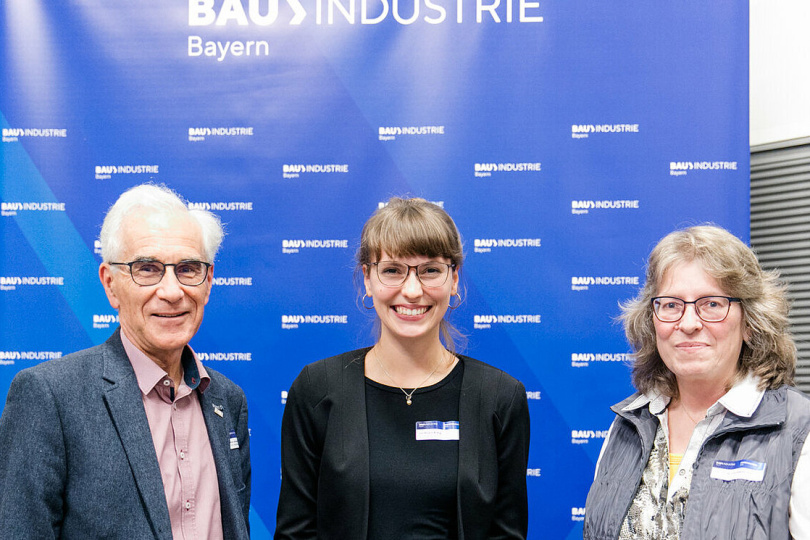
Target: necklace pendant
x: 408, y: 401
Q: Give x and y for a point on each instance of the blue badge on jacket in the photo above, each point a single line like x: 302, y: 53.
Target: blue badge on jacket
x: 744, y: 469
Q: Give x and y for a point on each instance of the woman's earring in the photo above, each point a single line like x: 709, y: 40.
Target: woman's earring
x: 363, y: 301
x: 457, y: 303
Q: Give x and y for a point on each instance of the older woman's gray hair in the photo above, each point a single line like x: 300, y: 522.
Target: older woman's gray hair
x: 768, y: 352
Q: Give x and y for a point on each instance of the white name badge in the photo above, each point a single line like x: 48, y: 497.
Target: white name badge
x: 433, y: 430
x: 744, y: 469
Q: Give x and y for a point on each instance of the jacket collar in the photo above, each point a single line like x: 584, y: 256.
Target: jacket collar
x: 125, y: 405
x: 746, y: 404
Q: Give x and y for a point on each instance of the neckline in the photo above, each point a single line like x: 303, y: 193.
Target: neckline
x: 452, y: 374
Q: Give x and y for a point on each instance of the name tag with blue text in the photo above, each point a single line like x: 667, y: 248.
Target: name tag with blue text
x: 744, y: 469
x: 433, y: 430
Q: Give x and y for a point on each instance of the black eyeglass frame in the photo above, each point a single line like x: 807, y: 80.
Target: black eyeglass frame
x: 163, y: 273
x: 694, y: 302
x: 451, y: 266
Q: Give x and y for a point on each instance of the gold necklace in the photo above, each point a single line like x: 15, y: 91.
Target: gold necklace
x: 408, y: 396
x: 683, y: 408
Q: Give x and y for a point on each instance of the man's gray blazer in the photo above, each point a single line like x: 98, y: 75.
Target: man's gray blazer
x: 77, y: 458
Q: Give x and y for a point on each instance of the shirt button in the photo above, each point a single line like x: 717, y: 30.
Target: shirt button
x: 188, y: 505
x: 182, y: 455
x: 167, y: 382
x: 682, y: 472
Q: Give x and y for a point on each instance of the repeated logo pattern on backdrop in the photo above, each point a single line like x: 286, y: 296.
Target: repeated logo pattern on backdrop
x: 565, y: 138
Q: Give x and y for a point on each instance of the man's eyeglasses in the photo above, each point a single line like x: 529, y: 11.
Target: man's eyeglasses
x: 429, y: 274
x: 708, y: 308
x: 145, y: 273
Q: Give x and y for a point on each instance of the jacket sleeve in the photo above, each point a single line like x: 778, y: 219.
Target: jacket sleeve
x: 511, y: 518
x: 32, y: 460
x: 301, y: 449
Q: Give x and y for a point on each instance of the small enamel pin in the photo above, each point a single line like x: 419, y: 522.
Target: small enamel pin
x: 218, y: 410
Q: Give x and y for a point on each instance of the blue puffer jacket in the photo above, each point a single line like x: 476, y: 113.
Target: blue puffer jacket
x: 716, y: 509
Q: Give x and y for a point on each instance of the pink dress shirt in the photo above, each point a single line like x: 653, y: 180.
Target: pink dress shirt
x: 181, y: 443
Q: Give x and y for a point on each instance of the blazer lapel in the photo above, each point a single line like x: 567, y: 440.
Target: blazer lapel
x: 469, y: 455
x: 215, y: 414
x: 125, y: 405
x: 354, y: 430
x: 217, y: 422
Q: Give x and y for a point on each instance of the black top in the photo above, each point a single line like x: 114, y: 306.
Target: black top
x: 413, y: 482
x: 325, y: 453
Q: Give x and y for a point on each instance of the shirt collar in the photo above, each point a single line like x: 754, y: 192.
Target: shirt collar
x: 149, y: 374
x: 742, y: 400
x: 744, y: 397
x: 656, y: 402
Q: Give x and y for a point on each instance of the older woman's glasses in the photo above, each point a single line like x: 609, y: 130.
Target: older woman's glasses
x: 429, y: 274
x: 708, y: 308
x: 145, y: 273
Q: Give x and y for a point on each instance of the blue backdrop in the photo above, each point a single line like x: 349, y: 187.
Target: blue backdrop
x: 565, y: 138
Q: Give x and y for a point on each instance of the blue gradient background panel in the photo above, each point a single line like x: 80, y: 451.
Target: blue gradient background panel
x: 564, y: 148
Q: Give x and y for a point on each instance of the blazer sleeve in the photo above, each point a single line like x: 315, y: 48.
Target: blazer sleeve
x: 301, y: 449
x: 33, y: 467
x: 511, y: 517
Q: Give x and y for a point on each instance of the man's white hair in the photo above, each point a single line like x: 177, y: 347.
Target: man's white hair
x: 161, y: 199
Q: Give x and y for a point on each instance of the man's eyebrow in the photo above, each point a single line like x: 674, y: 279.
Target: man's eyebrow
x: 154, y: 259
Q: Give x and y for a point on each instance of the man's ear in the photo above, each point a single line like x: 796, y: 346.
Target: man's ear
x: 106, y: 275
x: 209, y: 281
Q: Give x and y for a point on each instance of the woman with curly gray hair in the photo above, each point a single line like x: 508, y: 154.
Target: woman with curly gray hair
x: 713, y: 444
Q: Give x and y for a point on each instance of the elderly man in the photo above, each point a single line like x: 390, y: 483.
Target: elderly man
x: 133, y: 438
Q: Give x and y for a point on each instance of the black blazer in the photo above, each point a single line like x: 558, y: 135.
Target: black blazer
x: 325, y: 461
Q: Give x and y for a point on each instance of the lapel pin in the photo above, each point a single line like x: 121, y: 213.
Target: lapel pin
x: 218, y: 410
